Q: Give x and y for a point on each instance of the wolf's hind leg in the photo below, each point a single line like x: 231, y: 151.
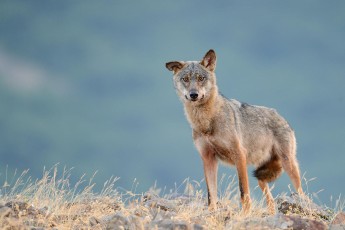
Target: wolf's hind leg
x: 265, y: 173
x: 269, y: 198
x: 290, y: 165
x: 287, y: 154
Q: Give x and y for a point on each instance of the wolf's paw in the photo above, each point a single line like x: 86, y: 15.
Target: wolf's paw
x: 246, y: 205
x: 212, y: 207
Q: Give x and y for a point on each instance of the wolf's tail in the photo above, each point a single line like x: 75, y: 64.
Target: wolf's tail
x: 270, y: 170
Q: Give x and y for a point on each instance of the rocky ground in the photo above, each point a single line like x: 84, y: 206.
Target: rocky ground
x: 173, y: 211
x: 53, y: 203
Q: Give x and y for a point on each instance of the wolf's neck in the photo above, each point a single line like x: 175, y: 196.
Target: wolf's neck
x: 200, y: 116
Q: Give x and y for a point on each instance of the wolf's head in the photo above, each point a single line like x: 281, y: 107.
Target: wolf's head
x: 195, y: 81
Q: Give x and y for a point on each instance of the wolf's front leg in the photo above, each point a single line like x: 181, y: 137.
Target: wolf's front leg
x: 241, y: 166
x: 210, y: 162
x: 210, y: 170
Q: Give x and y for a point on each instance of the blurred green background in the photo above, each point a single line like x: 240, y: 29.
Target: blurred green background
x: 84, y: 84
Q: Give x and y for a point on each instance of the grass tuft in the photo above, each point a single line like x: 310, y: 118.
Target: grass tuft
x: 53, y: 202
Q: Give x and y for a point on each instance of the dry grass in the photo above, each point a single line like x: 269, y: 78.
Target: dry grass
x: 52, y: 202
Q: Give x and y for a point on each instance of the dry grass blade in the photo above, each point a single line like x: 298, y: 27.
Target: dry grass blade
x: 53, y: 202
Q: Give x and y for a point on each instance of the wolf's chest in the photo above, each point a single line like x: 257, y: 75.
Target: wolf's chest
x: 217, y: 145
x: 201, y: 120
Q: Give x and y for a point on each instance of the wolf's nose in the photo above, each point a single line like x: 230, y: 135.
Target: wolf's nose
x: 193, y: 95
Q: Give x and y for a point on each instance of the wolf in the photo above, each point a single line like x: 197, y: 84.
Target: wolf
x: 235, y: 133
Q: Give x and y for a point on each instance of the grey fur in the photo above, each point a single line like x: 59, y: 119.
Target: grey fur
x: 234, y: 132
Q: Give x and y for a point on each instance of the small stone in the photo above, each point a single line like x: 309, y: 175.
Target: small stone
x: 172, y: 224
x: 337, y: 227
x: 149, y: 196
x: 32, y: 211
x: 157, y: 217
x: 43, y: 211
x: 198, y: 227
x: 306, y: 224
x: 93, y: 221
x: 285, y: 225
x: 162, y: 204
x: 18, y: 205
x: 294, y: 204
x: 6, y: 212
x: 136, y: 223
x: 117, y: 221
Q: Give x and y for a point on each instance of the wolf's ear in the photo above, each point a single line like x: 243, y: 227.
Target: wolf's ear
x: 209, y: 61
x: 174, y: 66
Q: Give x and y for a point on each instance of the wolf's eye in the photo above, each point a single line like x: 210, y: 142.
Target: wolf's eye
x: 185, y: 79
x: 201, y: 78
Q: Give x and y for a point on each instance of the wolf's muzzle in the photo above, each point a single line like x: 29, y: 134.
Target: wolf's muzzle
x: 193, y: 95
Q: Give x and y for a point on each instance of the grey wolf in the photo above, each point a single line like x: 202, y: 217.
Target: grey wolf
x: 233, y: 132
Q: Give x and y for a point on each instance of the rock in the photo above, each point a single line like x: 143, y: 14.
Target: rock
x: 183, y: 198
x: 171, y: 224
x: 5, y: 212
x: 43, y: 211
x: 162, y: 204
x: 339, y: 219
x: 250, y: 223
x: 277, y: 222
x: 338, y: 222
x: 158, y: 216
x: 93, y: 221
x: 294, y: 204
x: 198, y: 227
x: 306, y: 224
x: 19, y: 205
x: 337, y: 227
x: 24, y: 209
x: 136, y: 223
x: 117, y: 221
x: 149, y: 196
x: 120, y: 221
x: 115, y: 206
x: 170, y: 203
x: 32, y: 211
